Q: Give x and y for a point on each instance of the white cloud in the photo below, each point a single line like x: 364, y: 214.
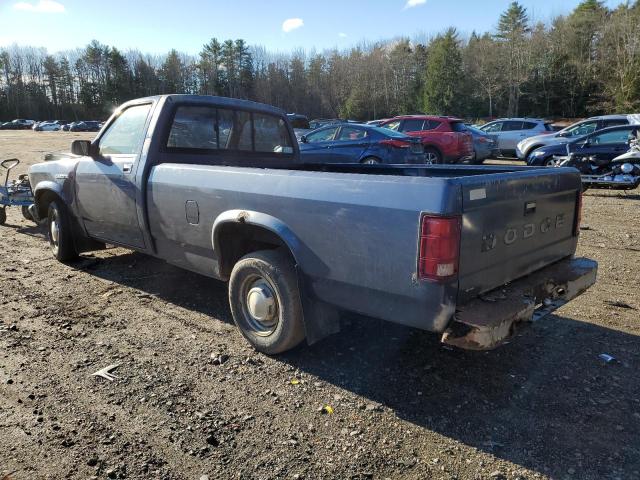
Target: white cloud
x: 291, y: 24
x: 414, y: 3
x: 42, y: 6
x: 342, y: 35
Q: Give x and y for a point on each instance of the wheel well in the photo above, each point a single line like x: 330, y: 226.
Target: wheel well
x: 371, y: 156
x: 235, y: 240
x: 43, y: 199
x: 532, y: 149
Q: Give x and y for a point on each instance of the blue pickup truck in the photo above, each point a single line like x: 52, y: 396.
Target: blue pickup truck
x: 216, y: 186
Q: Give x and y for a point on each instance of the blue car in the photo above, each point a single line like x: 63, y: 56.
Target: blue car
x: 355, y: 143
x: 605, y: 144
x: 483, y: 144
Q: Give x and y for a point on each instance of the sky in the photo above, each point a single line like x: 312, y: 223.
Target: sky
x: 279, y: 25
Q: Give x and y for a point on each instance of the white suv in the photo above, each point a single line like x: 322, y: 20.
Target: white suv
x: 507, y: 132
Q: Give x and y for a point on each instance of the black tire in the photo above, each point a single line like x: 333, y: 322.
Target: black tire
x: 59, y: 233
x: 432, y: 156
x: 26, y: 214
x: 371, y: 161
x: 3, y: 216
x: 270, y: 278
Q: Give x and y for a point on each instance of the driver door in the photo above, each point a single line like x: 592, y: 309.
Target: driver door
x: 106, y: 186
x: 317, y: 147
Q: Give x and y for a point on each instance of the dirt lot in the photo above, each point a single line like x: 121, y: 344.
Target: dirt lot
x: 544, y: 406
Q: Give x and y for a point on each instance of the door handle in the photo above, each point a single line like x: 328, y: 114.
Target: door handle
x: 126, y: 168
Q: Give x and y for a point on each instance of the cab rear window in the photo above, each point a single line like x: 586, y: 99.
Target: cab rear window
x: 205, y: 129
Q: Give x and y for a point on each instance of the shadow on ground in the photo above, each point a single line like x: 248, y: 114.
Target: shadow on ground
x: 545, y: 401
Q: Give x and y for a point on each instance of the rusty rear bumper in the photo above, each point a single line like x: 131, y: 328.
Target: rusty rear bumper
x: 486, y: 322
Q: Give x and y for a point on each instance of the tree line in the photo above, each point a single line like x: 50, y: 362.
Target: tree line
x: 583, y: 63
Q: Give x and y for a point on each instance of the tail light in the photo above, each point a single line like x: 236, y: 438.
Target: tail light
x: 439, y: 247
x: 396, y: 143
x: 578, y: 216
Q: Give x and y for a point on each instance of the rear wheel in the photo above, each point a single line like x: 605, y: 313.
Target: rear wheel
x: 59, y: 233
x: 265, y: 301
x: 432, y: 156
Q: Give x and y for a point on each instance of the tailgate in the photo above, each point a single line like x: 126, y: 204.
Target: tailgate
x: 514, y: 224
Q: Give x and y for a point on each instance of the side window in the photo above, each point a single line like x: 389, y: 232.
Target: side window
x: 431, y: 125
x: 126, y: 133
x: 511, y: 126
x: 413, y: 125
x: 493, y: 127
x: 350, y: 133
x: 618, y: 136
x: 271, y: 134
x: 529, y: 125
x: 395, y: 125
x: 322, y: 136
x: 458, y: 127
x: 584, y: 128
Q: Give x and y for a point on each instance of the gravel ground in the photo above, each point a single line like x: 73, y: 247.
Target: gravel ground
x: 192, y: 400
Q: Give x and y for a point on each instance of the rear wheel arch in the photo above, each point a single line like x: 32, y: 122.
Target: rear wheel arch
x: 236, y: 234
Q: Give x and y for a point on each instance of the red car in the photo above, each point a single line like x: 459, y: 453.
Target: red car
x: 445, y: 139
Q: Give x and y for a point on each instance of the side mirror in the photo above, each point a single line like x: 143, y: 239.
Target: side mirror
x: 84, y: 148
x: 303, y: 139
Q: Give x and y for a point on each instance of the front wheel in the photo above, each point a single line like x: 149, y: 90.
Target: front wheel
x: 59, y: 233
x: 3, y: 216
x: 265, y: 301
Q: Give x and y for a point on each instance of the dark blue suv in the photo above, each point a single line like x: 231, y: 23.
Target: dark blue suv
x: 604, y: 144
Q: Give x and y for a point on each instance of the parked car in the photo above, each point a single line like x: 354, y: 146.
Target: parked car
x: 301, y: 243
x: 507, y: 132
x: 17, y: 124
x: 85, y: 126
x: 445, y: 139
x: 604, y: 145
x: 354, y: 143
x: 300, y: 124
x: 483, y: 144
x: 577, y: 130
x: 50, y: 126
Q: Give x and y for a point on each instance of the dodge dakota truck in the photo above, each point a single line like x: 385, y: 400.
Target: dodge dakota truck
x: 215, y: 185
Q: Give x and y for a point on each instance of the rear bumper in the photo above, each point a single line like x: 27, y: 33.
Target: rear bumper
x: 486, y: 322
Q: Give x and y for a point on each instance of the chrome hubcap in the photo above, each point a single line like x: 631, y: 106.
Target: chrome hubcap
x: 55, y: 230
x: 262, y: 306
x: 431, y: 159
